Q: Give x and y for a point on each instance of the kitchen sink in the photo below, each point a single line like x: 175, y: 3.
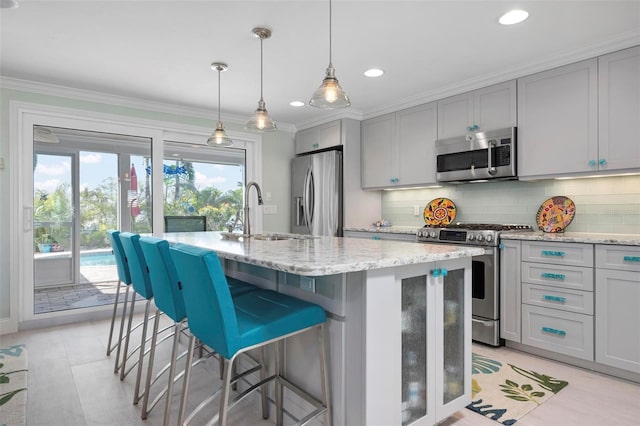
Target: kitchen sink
x: 272, y: 237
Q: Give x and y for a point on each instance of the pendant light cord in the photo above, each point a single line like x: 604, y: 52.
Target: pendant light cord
x: 261, y: 39
x: 218, y: 95
x: 330, y: 64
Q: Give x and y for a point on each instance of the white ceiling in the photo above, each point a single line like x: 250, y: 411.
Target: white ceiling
x: 161, y: 50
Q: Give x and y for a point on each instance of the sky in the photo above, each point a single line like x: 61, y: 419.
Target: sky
x: 95, y: 167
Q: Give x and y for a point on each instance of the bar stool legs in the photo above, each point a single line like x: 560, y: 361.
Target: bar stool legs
x: 113, y: 319
x: 121, y: 334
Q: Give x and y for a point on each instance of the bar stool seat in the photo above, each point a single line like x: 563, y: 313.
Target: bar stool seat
x: 232, y: 326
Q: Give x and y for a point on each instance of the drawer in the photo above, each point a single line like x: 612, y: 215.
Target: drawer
x: 624, y: 258
x: 558, y: 331
x: 574, y: 277
x: 558, y: 253
x: 556, y: 298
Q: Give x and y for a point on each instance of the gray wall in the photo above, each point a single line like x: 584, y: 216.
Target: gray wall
x: 277, y: 149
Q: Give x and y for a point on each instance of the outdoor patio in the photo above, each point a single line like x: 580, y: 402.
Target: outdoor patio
x: 97, y: 287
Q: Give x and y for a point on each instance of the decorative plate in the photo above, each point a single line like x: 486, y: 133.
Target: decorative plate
x: 439, y: 211
x: 555, y: 214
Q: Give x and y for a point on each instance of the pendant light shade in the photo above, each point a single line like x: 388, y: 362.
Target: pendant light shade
x: 330, y: 95
x: 260, y: 121
x: 219, y: 137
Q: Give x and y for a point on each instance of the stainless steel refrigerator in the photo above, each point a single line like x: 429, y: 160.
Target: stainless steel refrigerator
x: 316, y: 189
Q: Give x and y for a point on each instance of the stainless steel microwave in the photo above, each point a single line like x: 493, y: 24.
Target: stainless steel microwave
x: 477, y: 156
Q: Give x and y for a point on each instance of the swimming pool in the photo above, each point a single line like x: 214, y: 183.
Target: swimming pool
x: 100, y: 258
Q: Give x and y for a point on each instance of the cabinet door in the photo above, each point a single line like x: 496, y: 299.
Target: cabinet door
x: 618, y: 319
x: 494, y: 107
x: 619, y: 110
x: 557, y: 120
x: 510, y: 291
x: 416, y: 136
x: 320, y: 137
x: 377, y: 164
x: 454, y: 115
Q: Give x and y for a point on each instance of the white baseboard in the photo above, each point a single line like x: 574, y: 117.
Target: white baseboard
x: 7, y: 326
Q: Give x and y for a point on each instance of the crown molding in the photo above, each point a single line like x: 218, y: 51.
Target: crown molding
x: 122, y: 101
x: 332, y: 116
x: 621, y: 42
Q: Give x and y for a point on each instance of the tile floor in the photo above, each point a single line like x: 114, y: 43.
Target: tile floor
x: 71, y: 382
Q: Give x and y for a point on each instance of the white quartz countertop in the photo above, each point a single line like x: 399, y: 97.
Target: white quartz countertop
x: 575, y: 237
x: 317, y: 256
x: 411, y: 230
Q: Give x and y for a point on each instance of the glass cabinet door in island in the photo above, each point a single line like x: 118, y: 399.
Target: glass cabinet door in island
x: 453, y: 335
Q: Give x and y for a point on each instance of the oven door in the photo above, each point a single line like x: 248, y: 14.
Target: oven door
x: 485, y: 292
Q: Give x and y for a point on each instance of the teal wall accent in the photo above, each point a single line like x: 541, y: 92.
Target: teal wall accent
x: 277, y: 150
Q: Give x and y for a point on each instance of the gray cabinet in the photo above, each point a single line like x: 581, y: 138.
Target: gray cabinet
x: 581, y: 118
x: 398, y: 148
x: 510, y: 291
x: 558, y: 120
x: 489, y: 108
x: 320, y: 137
x: 617, y: 306
x: 619, y: 110
x: 557, y: 297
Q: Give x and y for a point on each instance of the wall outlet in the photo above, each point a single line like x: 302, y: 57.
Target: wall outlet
x: 270, y: 209
x: 267, y: 196
x: 416, y: 210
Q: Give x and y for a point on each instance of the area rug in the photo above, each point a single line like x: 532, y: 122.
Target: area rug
x: 13, y: 385
x: 505, y: 392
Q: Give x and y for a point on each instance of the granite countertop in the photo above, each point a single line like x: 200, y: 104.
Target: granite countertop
x: 410, y: 230
x: 575, y: 237
x: 317, y: 256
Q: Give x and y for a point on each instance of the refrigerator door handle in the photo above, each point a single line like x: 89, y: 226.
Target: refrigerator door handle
x: 308, y: 198
x: 299, y: 211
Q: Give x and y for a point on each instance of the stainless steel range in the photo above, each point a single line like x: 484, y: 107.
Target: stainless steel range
x: 485, y: 285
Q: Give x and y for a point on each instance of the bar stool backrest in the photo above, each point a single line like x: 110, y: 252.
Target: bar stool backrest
x: 207, y: 299
x: 137, y: 265
x: 121, y: 259
x: 164, y: 277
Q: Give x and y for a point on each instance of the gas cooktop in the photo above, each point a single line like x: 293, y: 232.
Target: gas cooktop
x: 483, y: 234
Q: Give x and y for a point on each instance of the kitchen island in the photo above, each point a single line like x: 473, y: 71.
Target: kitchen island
x: 399, y: 320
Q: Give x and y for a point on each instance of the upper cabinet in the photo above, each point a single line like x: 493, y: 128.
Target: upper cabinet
x: 619, y: 110
x: 581, y: 118
x: 398, y: 148
x: 489, y: 108
x: 319, y: 137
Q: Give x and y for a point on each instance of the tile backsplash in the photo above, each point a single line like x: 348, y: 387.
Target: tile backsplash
x: 604, y: 204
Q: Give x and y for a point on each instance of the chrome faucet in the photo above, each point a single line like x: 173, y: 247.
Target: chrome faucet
x: 247, y: 224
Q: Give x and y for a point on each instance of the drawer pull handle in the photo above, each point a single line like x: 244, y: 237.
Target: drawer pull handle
x: 631, y: 258
x: 554, y: 298
x: 554, y: 331
x: 553, y: 276
x: 552, y: 253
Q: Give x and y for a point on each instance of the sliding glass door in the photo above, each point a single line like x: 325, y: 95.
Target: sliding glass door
x: 84, y: 183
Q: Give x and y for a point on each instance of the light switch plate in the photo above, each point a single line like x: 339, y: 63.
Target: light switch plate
x: 270, y: 209
x: 416, y: 210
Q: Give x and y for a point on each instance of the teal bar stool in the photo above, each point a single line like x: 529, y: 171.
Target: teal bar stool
x: 168, y: 299
x: 232, y: 326
x: 124, y: 277
x: 141, y: 283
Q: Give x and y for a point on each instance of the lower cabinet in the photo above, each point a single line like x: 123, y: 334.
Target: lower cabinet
x: 433, y: 328
x: 372, y: 235
x: 590, y: 312
x: 618, y: 307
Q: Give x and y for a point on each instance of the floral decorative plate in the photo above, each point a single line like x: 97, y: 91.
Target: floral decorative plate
x: 555, y: 214
x: 439, y: 211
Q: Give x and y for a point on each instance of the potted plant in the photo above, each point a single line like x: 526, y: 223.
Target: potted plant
x: 45, y: 242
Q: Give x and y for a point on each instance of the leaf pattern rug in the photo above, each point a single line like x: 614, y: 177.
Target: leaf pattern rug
x: 505, y: 392
x: 13, y: 385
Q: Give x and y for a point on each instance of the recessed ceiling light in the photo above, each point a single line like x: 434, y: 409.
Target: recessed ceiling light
x: 513, y: 17
x: 296, y: 103
x: 373, y: 72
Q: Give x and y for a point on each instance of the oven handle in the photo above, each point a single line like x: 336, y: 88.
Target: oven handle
x: 490, y: 169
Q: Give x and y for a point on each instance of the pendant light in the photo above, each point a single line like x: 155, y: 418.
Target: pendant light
x: 330, y: 95
x: 219, y: 137
x: 261, y: 121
